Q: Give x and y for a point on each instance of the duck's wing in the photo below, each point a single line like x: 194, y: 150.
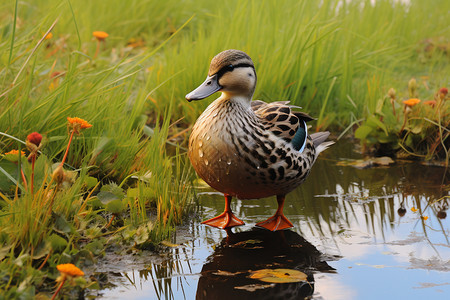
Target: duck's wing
x: 283, y: 121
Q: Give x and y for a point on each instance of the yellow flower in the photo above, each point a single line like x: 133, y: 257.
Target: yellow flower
x: 411, y: 102
x: 76, y: 124
x: 414, y: 209
x: 424, y: 218
x: 49, y: 36
x: 100, y: 35
x: 69, y: 270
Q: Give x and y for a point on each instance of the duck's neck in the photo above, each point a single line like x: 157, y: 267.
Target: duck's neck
x: 243, y: 101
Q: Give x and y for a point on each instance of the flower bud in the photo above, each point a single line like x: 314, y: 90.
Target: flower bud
x: 35, y: 138
x: 412, y: 87
x: 391, y: 93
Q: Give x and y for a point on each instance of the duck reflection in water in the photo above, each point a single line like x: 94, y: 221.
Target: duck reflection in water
x: 226, y: 275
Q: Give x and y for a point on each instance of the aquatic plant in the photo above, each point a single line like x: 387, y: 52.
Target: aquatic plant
x: 420, y: 131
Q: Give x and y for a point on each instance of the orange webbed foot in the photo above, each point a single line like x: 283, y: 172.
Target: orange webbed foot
x: 225, y: 220
x: 276, y: 222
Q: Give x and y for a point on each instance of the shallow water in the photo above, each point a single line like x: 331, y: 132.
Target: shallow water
x: 357, y: 235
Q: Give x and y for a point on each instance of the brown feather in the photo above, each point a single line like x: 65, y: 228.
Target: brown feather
x: 279, y: 118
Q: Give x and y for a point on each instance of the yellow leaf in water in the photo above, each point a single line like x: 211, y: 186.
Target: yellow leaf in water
x: 226, y: 273
x: 278, y: 275
x: 254, y: 287
x: 169, y: 244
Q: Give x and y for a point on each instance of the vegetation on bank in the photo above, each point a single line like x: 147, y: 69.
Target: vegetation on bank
x: 125, y: 66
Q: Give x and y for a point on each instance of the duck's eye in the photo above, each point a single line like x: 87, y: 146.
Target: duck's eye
x: 230, y: 68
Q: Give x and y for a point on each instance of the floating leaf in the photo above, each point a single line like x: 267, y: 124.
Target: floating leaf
x: 169, y: 244
x: 226, y: 273
x: 383, y: 161
x: 254, y: 287
x: 278, y: 275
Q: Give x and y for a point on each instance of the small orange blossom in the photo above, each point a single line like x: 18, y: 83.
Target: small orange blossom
x: 49, y: 36
x: 100, y: 35
x: 13, y: 155
x: 414, y: 209
x: 424, y: 218
x: 411, y: 102
x: 69, y: 270
x: 76, y: 124
x: 15, y: 152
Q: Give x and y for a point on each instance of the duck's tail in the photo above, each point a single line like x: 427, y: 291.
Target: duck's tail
x: 320, y: 144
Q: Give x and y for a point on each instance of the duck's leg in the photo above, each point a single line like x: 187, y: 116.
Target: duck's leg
x: 226, y: 219
x: 278, y: 221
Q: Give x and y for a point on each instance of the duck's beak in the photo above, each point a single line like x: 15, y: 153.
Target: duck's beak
x: 207, y: 88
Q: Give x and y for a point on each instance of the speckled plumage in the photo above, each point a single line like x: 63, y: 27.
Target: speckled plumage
x: 240, y: 153
x: 245, y: 148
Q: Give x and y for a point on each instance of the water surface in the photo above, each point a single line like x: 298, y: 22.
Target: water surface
x: 359, y: 234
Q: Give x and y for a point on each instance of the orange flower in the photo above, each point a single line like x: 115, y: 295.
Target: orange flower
x: 49, y: 36
x: 431, y: 103
x: 414, y: 209
x: 13, y: 155
x: 100, y: 35
x: 15, y: 152
x: 411, y: 102
x: 69, y: 270
x: 424, y: 218
x: 76, y: 124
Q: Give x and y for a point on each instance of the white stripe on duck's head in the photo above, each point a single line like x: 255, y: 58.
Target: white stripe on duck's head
x: 231, y: 72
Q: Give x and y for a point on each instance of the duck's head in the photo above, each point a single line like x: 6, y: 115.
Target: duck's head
x: 231, y: 72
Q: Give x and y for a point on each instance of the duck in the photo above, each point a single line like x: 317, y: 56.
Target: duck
x: 249, y: 149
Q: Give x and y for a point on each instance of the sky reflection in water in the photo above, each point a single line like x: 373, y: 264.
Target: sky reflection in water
x: 349, y: 215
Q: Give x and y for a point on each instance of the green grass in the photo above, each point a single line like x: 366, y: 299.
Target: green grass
x: 334, y: 60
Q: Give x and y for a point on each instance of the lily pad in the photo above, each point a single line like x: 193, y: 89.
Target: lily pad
x: 278, y: 275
